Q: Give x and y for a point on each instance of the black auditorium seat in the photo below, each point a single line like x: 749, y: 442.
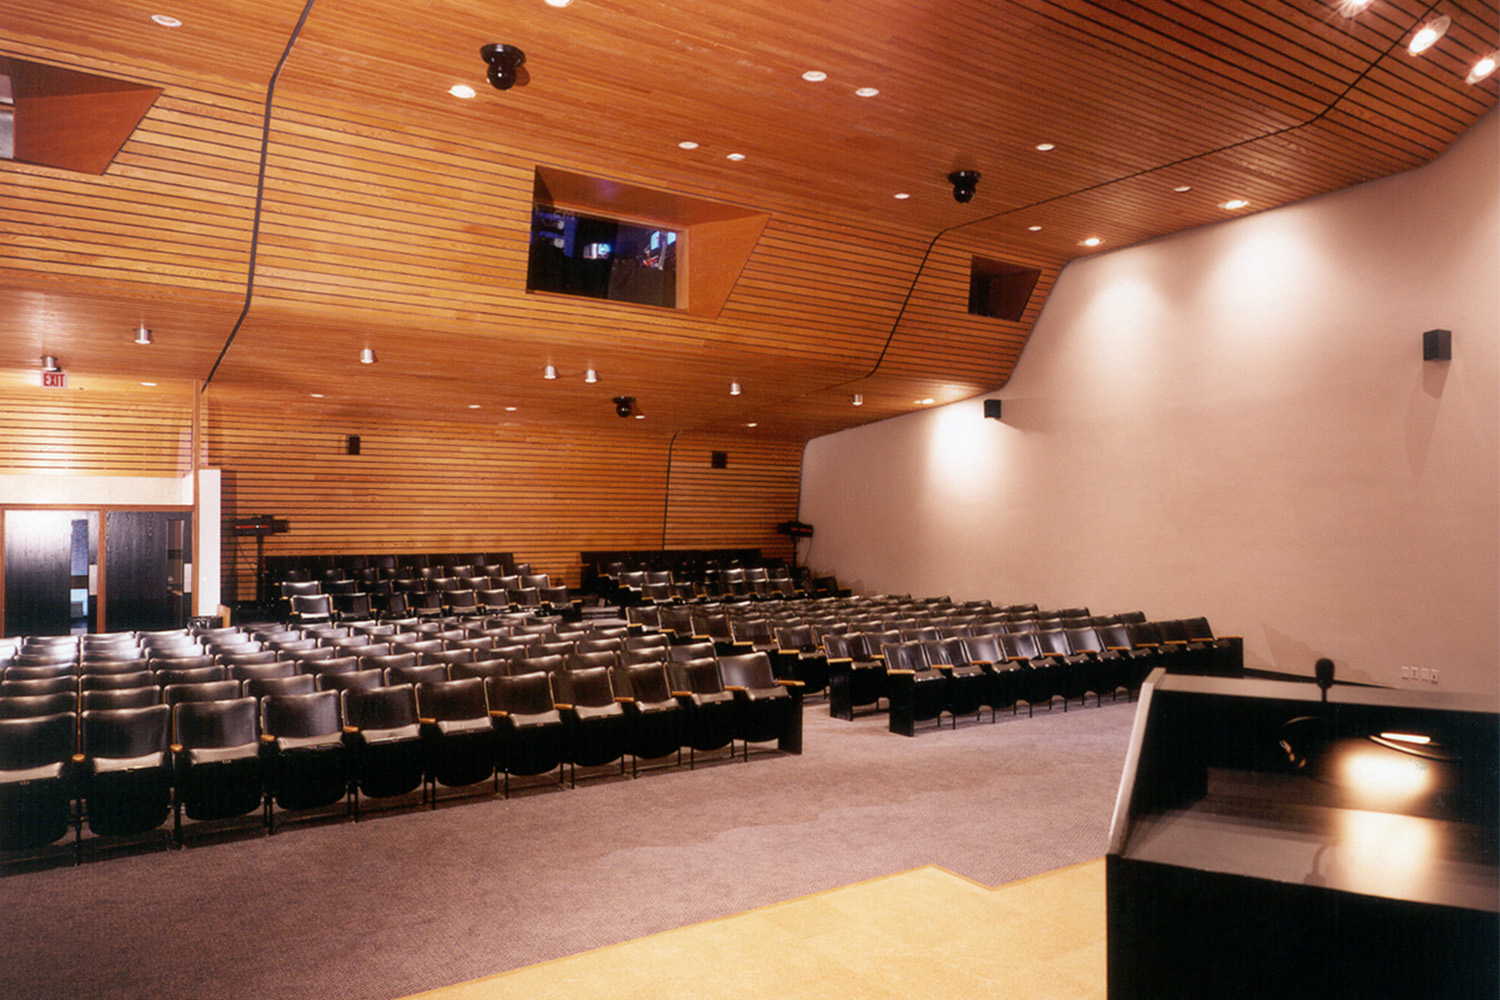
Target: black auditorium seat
x: 1003, y: 679
x: 968, y: 684
x: 594, y: 722
x: 388, y: 756
x: 768, y: 709
x: 311, y: 609
x: 917, y: 692
x: 711, y: 711
x: 455, y: 720
x: 217, y: 765
x: 126, y: 780
x: 528, y: 725
x: 654, y: 717
x: 306, y: 757
x: 802, y: 657
x: 36, y: 777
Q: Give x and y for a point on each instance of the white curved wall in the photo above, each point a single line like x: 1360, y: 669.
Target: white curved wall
x: 1233, y: 421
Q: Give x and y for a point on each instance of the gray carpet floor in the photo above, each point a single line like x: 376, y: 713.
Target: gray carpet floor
x: 415, y: 899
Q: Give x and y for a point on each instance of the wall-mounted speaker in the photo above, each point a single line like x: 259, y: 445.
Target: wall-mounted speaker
x: 992, y: 409
x: 352, y: 447
x: 1437, y: 345
x: 718, y: 460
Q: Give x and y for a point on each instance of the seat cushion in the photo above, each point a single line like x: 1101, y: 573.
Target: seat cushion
x: 214, y: 755
x: 463, y: 725
x: 104, y: 765
x: 410, y: 732
x: 45, y: 772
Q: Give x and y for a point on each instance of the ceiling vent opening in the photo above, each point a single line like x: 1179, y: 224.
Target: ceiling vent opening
x: 66, y: 119
x: 1000, y: 290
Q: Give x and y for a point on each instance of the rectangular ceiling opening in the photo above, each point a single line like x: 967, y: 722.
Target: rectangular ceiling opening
x: 65, y: 118
x: 600, y: 258
x: 1000, y: 290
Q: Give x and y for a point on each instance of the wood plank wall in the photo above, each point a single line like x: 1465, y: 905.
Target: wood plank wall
x: 546, y: 496
x: 91, y: 432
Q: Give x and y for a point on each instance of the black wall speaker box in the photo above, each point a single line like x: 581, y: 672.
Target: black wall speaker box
x: 719, y: 459
x: 1437, y: 345
x: 353, y: 448
x: 992, y: 408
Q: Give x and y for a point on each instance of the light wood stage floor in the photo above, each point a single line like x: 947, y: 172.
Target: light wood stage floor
x: 924, y: 933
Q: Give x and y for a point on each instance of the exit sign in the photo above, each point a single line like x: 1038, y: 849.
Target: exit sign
x: 55, y: 380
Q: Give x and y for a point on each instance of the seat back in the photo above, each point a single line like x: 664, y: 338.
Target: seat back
x: 700, y: 676
x: 259, y: 687
x: 252, y: 671
x: 34, y: 741
x: 387, y: 707
x: 983, y: 648
x: 124, y: 733
x: 229, y: 722
x: 192, y: 675
x: 690, y: 651
x: 419, y: 674
x: 589, y: 687
x: 352, y: 680
x: 301, y: 715
x: 33, y: 706
x: 1084, y: 640
x: 904, y: 655
x: 100, y: 682
x: 1020, y: 645
x: 647, y: 682
x: 450, y: 701
x: 522, y: 694
x: 751, y: 671
x: 550, y: 664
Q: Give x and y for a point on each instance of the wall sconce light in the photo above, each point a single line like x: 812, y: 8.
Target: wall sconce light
x: 142, y: 335
x: 504, y: 62
x: 549, y: 372
x: 367, y: 356
x: 734, y: 388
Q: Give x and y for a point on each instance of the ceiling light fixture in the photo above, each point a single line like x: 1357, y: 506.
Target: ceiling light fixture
x: 1183, y: 188
x: 505, y: 62
x: 367, y: 356
x: 1045, y: 147
x: 591, y: 376
x: 1484, y: 67
x: 866, y: 92
x: 142, y: 335
x: 1428, y: 35
x: 964, y: 183
x: 924, y: 402
x: 511, y: 409
x: 736, y: 157
x: 640, y: 416
x: 149, y: 385
x: 473, y: 406
x: 316, y: 395
x: 752, y: 424
x: 687, y: 144
x: 815, y: 76
x: 734, y: 388
x: 901, y: 196
x: 624, y: 405
x: 462, y: 91
x: 549, y: 372
x: 857, y: 400
x: 1092, y: 241
x: 1235, y: 204
x: 1349, y: 8
x: 1033, y: 229
x: 166, y: 20
x: 49, y: 364
x: 559, y: 4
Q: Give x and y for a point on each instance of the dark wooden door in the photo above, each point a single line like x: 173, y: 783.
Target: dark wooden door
x: 146, y: 569
x: 48, y: 554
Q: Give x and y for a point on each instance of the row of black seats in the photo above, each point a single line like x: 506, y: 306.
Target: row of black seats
x: 223, y: 749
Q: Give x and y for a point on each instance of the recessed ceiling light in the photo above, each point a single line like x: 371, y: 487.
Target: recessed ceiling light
x: 473, y: 406
x: 734, y: 388
x: 1428, y: 35
x: 316, y: 395
x: 815, y: 76
x: 549, y: 372
x: 866, y: 92
x: 462, y: 91
x: 1235, y: 204
x: 752, y: 424
x: 1349, y: 8
x: 149, y: 385
x: 590, y: 376
x: 511, y: 409
x: 1183, y: 188
x: 367, y: 356
x: 901, y: 196
x: 142, y: 335
x: 687, y: 144
x: 736, y: 157
x: 1483, y: 68
x: 640, y: 416
x: 558, y: 3
x: 857, y: 400
x: 1045, y: 147
x: 1092, y: 241
x: 1033, y: 229
x: 166, y: 20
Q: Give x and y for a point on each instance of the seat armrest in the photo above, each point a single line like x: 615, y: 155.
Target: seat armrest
x: 562, y: 706
x: 499, y: 713
x: 792, y: 683
x: 901, y: 670
x: 621, y: 700
x: 735, y: 687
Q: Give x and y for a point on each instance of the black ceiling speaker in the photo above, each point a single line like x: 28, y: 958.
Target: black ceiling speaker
x: 504, y: 61
x: 624, y: 404
x: 964, y: 182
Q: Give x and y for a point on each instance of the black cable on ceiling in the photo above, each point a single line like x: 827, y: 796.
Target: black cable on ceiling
x: 260, y: 192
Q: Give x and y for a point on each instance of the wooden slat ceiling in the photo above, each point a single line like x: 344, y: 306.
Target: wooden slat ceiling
x: 395, y: 216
